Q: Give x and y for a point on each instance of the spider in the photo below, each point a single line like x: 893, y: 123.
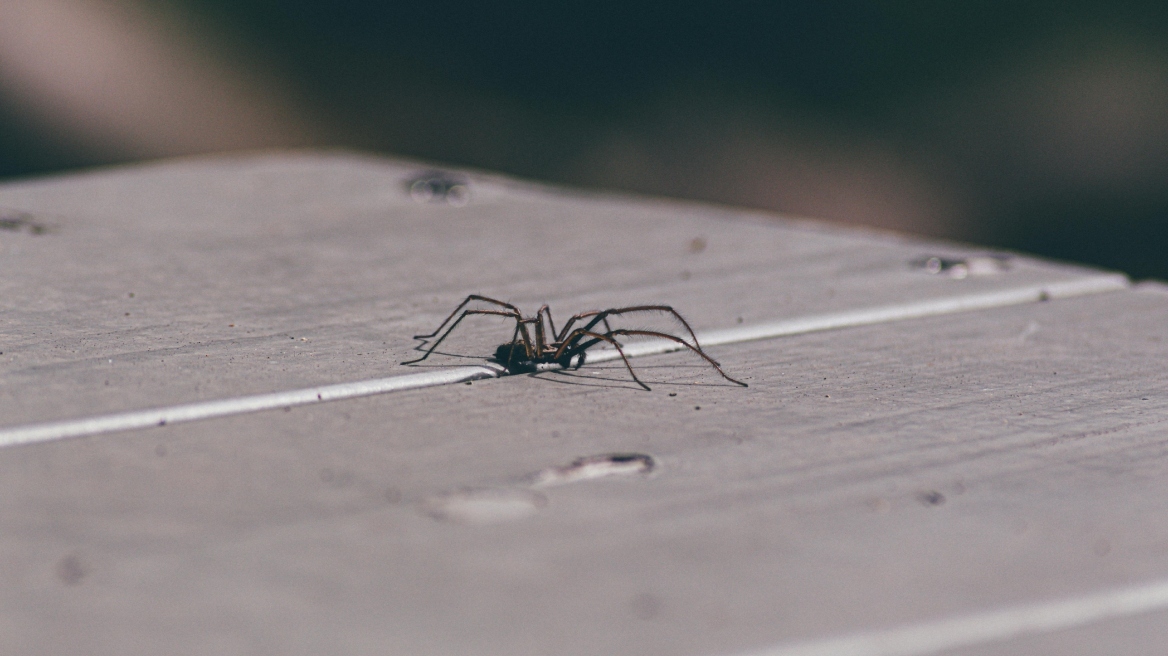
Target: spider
x: 567, y: 348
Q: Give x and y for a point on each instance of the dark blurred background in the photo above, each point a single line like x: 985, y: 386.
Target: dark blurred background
x: 1040, y: 126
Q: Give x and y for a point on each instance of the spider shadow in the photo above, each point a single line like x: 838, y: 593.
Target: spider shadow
x: 440, y: 364
x: 593, y: 379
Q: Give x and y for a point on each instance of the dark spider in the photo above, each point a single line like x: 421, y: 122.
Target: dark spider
x: 566, y: 348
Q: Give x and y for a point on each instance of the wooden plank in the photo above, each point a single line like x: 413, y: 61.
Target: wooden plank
x: 208, y: 279
x: 891, y: 475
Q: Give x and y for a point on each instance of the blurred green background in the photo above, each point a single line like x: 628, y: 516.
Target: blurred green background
x: 1039, y: 126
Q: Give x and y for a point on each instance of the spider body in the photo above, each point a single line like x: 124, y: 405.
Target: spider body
x: 513, y: 355
x: 535, y: 344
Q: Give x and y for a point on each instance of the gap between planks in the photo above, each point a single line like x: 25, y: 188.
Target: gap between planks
x: 985, y: 627
x: 137, y: 419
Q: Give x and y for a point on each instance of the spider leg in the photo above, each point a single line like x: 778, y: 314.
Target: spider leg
x: 528, y: 347
x: 572, y: 345
x: 511, y: 353
x: 582, y: 351
x: 597, y: 337
x: 699, y: 351
x: 602, y: 315
x: 541, y: 333
x: 468, y: 299
x: 572, y: 320
x: 546, y: 311
x: 465, y: 314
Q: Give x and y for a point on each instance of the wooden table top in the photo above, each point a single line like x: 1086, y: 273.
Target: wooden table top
x: 940, y: 451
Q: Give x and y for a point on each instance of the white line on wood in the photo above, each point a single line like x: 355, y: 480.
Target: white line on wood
x: 980, y: 628
x: 885, y: 314
x: 210, y: 409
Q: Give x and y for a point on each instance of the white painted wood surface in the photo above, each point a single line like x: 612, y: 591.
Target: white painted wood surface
x: 898, y: 487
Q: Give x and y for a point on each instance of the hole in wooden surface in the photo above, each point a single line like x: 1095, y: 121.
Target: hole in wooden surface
x: 598, y: 466
x: 440, y: 187
x: 964, y: 267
